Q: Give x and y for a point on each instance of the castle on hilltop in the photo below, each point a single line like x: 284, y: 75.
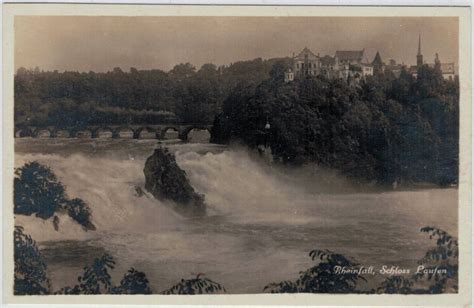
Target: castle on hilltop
x: 354, y: 65
x: 344, y: 64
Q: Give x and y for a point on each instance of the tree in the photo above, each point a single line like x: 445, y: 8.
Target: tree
x: 440, y: 263
x: 429, y: 83
x: 277, y: 73
x: 78, y: 210
x: 396, y: 285
x: 133, y: 282
x: 182, y: 71
x: 196, y: 285
x: 208, y: 70
x: 198, y: 97
x: 31, y: 278
x: 95, y: 279
x: 437, y: 271
x: 38, y: 191
x: 30, y: 268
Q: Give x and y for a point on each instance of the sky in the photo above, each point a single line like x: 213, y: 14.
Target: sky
x: 99, y: 43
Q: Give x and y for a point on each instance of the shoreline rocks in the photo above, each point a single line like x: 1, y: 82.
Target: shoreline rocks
x: 164, y: 179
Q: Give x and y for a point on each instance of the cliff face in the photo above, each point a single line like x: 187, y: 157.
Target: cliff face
x: 164, y: 179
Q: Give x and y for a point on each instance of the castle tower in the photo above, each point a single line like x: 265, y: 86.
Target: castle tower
x: 377, y: 63
x: 419, y: 56
x: 437, y: 62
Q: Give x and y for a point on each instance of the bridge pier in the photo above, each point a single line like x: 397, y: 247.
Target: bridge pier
x: 136, y: 134
x: 184, y: 135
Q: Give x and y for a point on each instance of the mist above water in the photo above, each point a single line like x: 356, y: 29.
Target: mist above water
x: 236, y: 183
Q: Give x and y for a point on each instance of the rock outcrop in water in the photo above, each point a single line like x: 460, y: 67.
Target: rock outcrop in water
x: 164, y: 179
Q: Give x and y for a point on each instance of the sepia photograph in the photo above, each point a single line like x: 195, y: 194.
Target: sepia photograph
x: 219, y: 155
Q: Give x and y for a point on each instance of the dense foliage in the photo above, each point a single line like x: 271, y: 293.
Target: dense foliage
x: 31, y: 277
x: 440, y: 269
x: 133, y: 282
x: 437, y: 272
x: 38, y: 191
x: 384, y: 128
x: 96, y: 279
x: 30, y: 269
x: 138, y: 96
x: 440, y: 263
x: 198, y: 285
x: 80, y: 212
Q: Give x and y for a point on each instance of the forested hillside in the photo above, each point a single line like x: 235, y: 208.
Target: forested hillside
x: 138, y: 96
x: 385, y: 128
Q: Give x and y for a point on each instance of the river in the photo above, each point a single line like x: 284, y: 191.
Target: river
x: 262, y: 220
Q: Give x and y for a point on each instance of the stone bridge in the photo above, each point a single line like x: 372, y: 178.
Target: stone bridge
x: 94, y: 131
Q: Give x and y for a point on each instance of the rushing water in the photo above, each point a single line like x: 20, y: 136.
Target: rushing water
x: 262, y: 221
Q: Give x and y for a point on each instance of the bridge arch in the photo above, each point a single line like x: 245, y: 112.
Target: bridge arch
x: 24, y: 132
x: 124, y: 132
x: 149, y: 131
x: 60, y: 133
x: 184, y: 134
x: 42, y: 132
x: 165, y: 130
x: 97, y: 132
x: 80, y: 133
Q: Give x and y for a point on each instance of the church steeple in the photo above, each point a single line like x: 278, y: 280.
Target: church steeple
x: 419, y: 56
x: 419, y: 44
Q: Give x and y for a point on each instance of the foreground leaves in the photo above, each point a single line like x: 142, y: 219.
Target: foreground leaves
x: 196, y: 285
x: 30, y: 268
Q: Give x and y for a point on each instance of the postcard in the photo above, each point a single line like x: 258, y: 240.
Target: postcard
x: 264, y: 155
